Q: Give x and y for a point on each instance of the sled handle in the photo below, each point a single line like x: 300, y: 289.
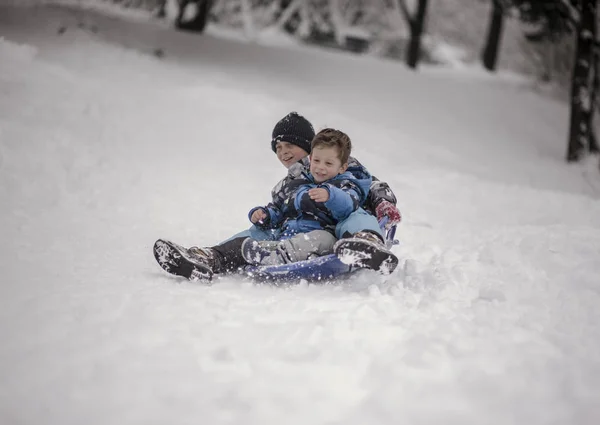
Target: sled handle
x: 389, y: 233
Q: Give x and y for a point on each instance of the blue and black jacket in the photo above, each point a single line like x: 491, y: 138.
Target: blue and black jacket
x: 378, y: 191
x: 294, y: 211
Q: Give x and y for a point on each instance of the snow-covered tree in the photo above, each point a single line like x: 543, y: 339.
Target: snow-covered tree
x: 325, y: 21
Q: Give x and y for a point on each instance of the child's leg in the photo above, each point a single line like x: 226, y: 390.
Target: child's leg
x: 297, y: 248
x: 228, y: 256
x: 307, y: 245
x: 359, y: 220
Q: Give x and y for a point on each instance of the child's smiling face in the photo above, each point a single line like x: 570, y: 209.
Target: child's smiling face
x: 288, y: 153
x: 325, y: 163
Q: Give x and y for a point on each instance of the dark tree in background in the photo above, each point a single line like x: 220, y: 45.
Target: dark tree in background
x: 198, y: 22
x: 489, y: 56
x: 561, y: 18
x: 583, y: 89
x: 417, y: 26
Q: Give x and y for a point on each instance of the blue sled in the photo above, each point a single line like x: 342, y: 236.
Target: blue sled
x: 325, y: 268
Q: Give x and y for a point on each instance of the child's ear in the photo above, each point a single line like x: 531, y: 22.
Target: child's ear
x: 344, y: 168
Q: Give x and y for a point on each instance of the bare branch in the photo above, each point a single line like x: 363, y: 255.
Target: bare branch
x: 571, y: 11
x: 405, y: 12
x: 288, y: 12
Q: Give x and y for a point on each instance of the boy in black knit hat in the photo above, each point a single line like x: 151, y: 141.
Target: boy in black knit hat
x: 291, y: 141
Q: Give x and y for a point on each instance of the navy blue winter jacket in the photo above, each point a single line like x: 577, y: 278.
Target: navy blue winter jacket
x: 379, y: 191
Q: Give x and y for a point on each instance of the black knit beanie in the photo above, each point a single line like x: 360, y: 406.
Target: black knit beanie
x: 294, y: 129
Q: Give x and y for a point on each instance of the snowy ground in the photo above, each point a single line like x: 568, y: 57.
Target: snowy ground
x: 104, y: 148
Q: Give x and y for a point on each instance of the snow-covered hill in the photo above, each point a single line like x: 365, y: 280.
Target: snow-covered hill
x: 104, y: 147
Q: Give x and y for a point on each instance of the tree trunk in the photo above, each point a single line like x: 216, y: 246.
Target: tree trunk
x: 248, y: 19
x: 594, y: 148
x: 161, y: 9
x: 198, y: 22
x: 490, y: 51
x: 337, y: 20
x: 582, y: 85
x: 417, y: 25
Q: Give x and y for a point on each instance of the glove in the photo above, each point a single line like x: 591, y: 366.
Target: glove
x: 389, y: 210
x: 264, y: 222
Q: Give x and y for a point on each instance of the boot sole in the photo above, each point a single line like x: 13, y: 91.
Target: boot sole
x: 365, y: 254
x: 175, y: 260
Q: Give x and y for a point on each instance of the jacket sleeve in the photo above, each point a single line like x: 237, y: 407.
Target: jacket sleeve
x: 343, y: 200
x: 274, y: 209
x: 379, y: 191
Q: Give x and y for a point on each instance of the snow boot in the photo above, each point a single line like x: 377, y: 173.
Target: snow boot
x: 366, y: 249
x: 206, y: 256
x: 179, y: 261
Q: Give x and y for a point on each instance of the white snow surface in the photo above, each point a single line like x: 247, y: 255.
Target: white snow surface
x: 492, y: 317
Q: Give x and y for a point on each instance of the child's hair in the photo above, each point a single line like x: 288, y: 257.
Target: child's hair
x: 331, y: 138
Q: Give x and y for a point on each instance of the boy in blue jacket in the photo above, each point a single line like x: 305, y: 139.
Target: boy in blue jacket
x: 316, y: 202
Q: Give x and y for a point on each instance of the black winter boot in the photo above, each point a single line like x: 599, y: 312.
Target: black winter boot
x: 366, y: 249
x: 178, y: 261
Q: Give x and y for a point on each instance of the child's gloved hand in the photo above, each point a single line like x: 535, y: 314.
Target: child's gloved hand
x: 389, y: 210
x: 258, y: 216
x: 319, y: 195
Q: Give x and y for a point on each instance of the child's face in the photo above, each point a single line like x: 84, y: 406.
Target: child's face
x: 288, y: 153
x: 325, y: 164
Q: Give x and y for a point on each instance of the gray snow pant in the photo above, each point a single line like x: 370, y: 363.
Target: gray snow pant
x: 304, y: 246
x: 228, y: 255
